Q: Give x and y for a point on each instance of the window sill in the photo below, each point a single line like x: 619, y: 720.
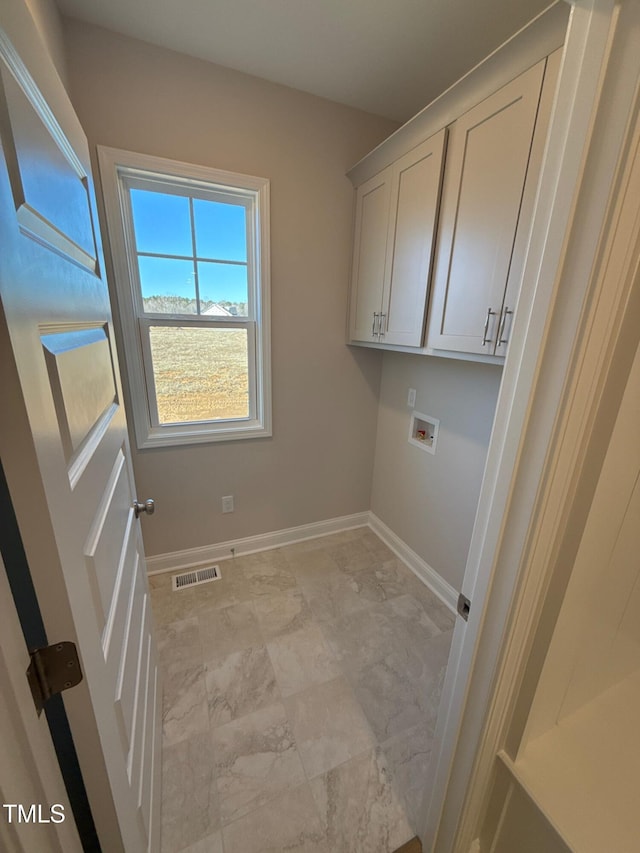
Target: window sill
x: 182, y: 435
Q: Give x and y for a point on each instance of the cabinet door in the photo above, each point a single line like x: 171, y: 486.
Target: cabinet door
x: 415, y: 192
x: 369, y: 256
x: 488, y: 157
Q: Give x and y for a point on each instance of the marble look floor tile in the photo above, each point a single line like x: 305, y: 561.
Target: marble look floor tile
x: 391, y: 699
x: 230, y: 588
x: 312, y: 565
x: 184, y: 706
x: 333, y: 596
x: 210, y: 844
x: 407, y: 756
x: 267, y: 579
x: 179, y: 643
x: 409, y: 608
x: 340, y: 603
x: 230, y: 629
x: 256, y: 758
x: 376, y: 546
x: 437, y: 610
x: 190, y: 810
x: 160, y: 581
x: 359, y: 808
x: 413, y: 626
x: 169, y: 606
x: 403, y: 689
x: 435, y: 658
x: 301, y: 659
x: 379, y: 582
x: 288, y: 823
x: 329, y: 725
x: 281, y: 614
x: 362, y: 637
x: 241, y: 683
x: 351, y: 556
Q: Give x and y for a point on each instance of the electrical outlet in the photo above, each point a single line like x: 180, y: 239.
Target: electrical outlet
x: 227, y: 503
x: 411, y: 398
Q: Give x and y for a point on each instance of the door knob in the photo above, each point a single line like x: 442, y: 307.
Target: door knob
x: 148, y: 506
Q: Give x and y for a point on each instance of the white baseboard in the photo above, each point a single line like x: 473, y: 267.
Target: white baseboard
x: 178, y: 560
x: 190, y: 557
x: 437, y: 584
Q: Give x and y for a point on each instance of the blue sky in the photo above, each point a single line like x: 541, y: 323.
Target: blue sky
x: 162, y: 225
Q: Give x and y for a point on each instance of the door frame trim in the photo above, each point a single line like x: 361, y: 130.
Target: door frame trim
x: 41, y: 774
x: 24, y: 598
x: 588, y: 134
x: 604, y: 351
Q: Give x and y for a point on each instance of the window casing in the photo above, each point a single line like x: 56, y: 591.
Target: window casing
x: 197, y: 370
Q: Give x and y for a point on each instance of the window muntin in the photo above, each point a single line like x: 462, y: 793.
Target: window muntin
x: 191, y: 251
x: 196, y: 300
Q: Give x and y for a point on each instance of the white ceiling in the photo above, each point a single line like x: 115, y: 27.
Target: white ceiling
x: 389, y: 57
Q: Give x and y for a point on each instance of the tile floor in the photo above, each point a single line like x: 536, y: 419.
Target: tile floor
x: 300, y: 697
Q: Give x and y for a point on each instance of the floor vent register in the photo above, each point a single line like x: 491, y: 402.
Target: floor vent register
x: 195, y: 578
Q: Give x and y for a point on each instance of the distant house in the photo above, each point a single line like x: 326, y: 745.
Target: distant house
x: 218, y: 311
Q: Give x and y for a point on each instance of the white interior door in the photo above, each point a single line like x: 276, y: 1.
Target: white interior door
x: 63, y: 439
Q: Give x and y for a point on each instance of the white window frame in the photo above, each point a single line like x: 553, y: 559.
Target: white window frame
x: 122, y: 170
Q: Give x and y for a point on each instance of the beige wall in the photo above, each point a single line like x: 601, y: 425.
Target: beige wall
x: 49, y: 24
x: 430, y: 501
x: 318, y: 464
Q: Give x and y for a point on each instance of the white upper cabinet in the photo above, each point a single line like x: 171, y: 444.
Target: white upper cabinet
x: 475, y: 284
x: 369, y: 256
x: 440, y: 247
x: 396, y: 215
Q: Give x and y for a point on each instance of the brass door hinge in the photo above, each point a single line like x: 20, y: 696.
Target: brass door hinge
x: 53, y: 669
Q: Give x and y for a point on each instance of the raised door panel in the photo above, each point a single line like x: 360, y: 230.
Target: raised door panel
x: 369, y: 256
x: 415, y: 195
x: 49, y: 185
x: 488, y: 158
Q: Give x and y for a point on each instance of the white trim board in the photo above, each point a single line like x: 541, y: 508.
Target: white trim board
x: 571, y: 211
x: 422, y: 570
x: 190, y: 557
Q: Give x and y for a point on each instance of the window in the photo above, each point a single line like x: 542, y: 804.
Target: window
x: 190, y: 255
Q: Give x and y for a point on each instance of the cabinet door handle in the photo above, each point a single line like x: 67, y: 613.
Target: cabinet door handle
x: 381, y: 325
x: 485, y: 339
x: 503, y: 323
x: 373, y: 325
